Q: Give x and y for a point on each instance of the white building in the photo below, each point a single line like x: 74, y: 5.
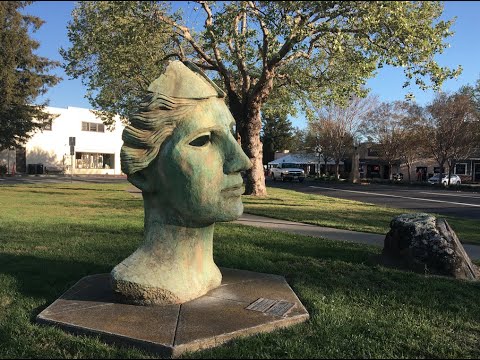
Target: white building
x: 310, y: 162
x: 96, y: 150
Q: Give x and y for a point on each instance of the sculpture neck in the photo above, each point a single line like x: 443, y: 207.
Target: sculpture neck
x: 173, y: 265
x: 165, y: 231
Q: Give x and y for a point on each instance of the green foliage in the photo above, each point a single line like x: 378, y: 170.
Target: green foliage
x: 23, y: 76
x: 118, y: 48
x: 329, y: 47
x: 303, y: 140
x: 317, y: 50
x: 296, y: 52
x: 277, y: 134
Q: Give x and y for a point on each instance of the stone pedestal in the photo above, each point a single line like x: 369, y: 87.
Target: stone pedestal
x: 246, y: 303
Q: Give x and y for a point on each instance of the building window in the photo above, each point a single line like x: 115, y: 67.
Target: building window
x: 94, y: 127
x: 85, y: 160
x: 436, y: 170
x: 461, y: 169
x: 48, y: 125
x: 372, y: 152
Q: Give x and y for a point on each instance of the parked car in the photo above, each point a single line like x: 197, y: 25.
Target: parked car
x: 287, y: 171
x: 454, y: 179
x: 397, y: 177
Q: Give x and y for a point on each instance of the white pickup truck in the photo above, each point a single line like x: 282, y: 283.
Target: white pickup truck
x: 287, y: 171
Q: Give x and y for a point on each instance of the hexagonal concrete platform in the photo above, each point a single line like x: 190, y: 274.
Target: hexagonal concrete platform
x: 244, y: 304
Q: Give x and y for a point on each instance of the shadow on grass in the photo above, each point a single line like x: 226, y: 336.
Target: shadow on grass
x: 45, y: 277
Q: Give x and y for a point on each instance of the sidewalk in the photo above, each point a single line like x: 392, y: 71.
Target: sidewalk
x: 473, y: 251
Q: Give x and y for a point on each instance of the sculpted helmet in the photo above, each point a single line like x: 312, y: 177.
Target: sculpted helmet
x: 168, y: 100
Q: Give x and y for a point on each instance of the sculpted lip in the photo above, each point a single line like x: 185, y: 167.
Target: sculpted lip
x: 235, y: 190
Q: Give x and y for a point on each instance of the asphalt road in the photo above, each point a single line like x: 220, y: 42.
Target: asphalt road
x: 465, y: 204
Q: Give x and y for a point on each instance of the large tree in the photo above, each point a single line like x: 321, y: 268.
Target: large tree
x: 336, y: 126
x: 473, y: 91
x: 452, y: 129
x: 411, y: 143
x: 23, y: 76
x: 314, y: 50
x: 384, y: 127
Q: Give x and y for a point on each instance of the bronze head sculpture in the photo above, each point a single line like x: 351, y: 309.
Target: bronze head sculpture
x: 180, y: 151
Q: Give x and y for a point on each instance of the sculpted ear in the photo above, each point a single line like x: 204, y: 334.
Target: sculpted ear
x: 141, y: 181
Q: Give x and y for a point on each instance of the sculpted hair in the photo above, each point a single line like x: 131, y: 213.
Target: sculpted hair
x: 149, y: 128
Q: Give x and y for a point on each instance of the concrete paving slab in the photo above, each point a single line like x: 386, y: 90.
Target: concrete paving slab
x: 91, y: 308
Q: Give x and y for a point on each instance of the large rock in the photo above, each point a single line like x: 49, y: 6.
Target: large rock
x: 423, y: 243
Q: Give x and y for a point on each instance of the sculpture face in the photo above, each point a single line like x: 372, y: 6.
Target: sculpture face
x: 180, y: 151
x: 197, y: 172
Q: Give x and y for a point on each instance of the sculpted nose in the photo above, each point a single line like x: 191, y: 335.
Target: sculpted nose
x: 235, y: 160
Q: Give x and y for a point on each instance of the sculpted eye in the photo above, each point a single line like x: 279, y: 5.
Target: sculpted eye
x: 201, y: 141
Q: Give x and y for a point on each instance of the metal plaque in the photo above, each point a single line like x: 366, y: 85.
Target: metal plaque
x: 281, y: 308
x: 271, y: 307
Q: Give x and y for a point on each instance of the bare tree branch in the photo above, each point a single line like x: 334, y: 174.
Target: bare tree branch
x: 209, y: 26
x: 237, y: 51
x: 175, y: 54
x: 222, y: 69
x: 265, y: 31
x: 184, y: 32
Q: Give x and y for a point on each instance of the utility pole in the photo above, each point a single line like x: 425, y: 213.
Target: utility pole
x: 354, y: 176
x: 71, y: 141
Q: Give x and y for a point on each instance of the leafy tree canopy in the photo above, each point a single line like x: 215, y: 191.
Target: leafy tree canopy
x: 315, y: 50
x: 23, y: 76
x: 118, y: 49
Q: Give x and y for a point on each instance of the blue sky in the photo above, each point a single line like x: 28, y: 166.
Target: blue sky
x: 464, y: 50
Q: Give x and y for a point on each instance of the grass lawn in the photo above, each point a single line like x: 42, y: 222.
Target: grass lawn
x: 343, y: 214
x: 53, y: 235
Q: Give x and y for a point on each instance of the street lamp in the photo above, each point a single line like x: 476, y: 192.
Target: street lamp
x: 318, y: 152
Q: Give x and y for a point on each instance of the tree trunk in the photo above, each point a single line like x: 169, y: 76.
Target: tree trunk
x: 246, y: 110
x: 451, y: 165
x: 440, y: 173
x: 354, y: 176
x: 248, y: 126
x: 337, y: 168
x: 252, y: 146
x: 409, y: 167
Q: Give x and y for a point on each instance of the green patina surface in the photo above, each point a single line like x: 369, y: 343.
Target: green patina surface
x: 190, y: 178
